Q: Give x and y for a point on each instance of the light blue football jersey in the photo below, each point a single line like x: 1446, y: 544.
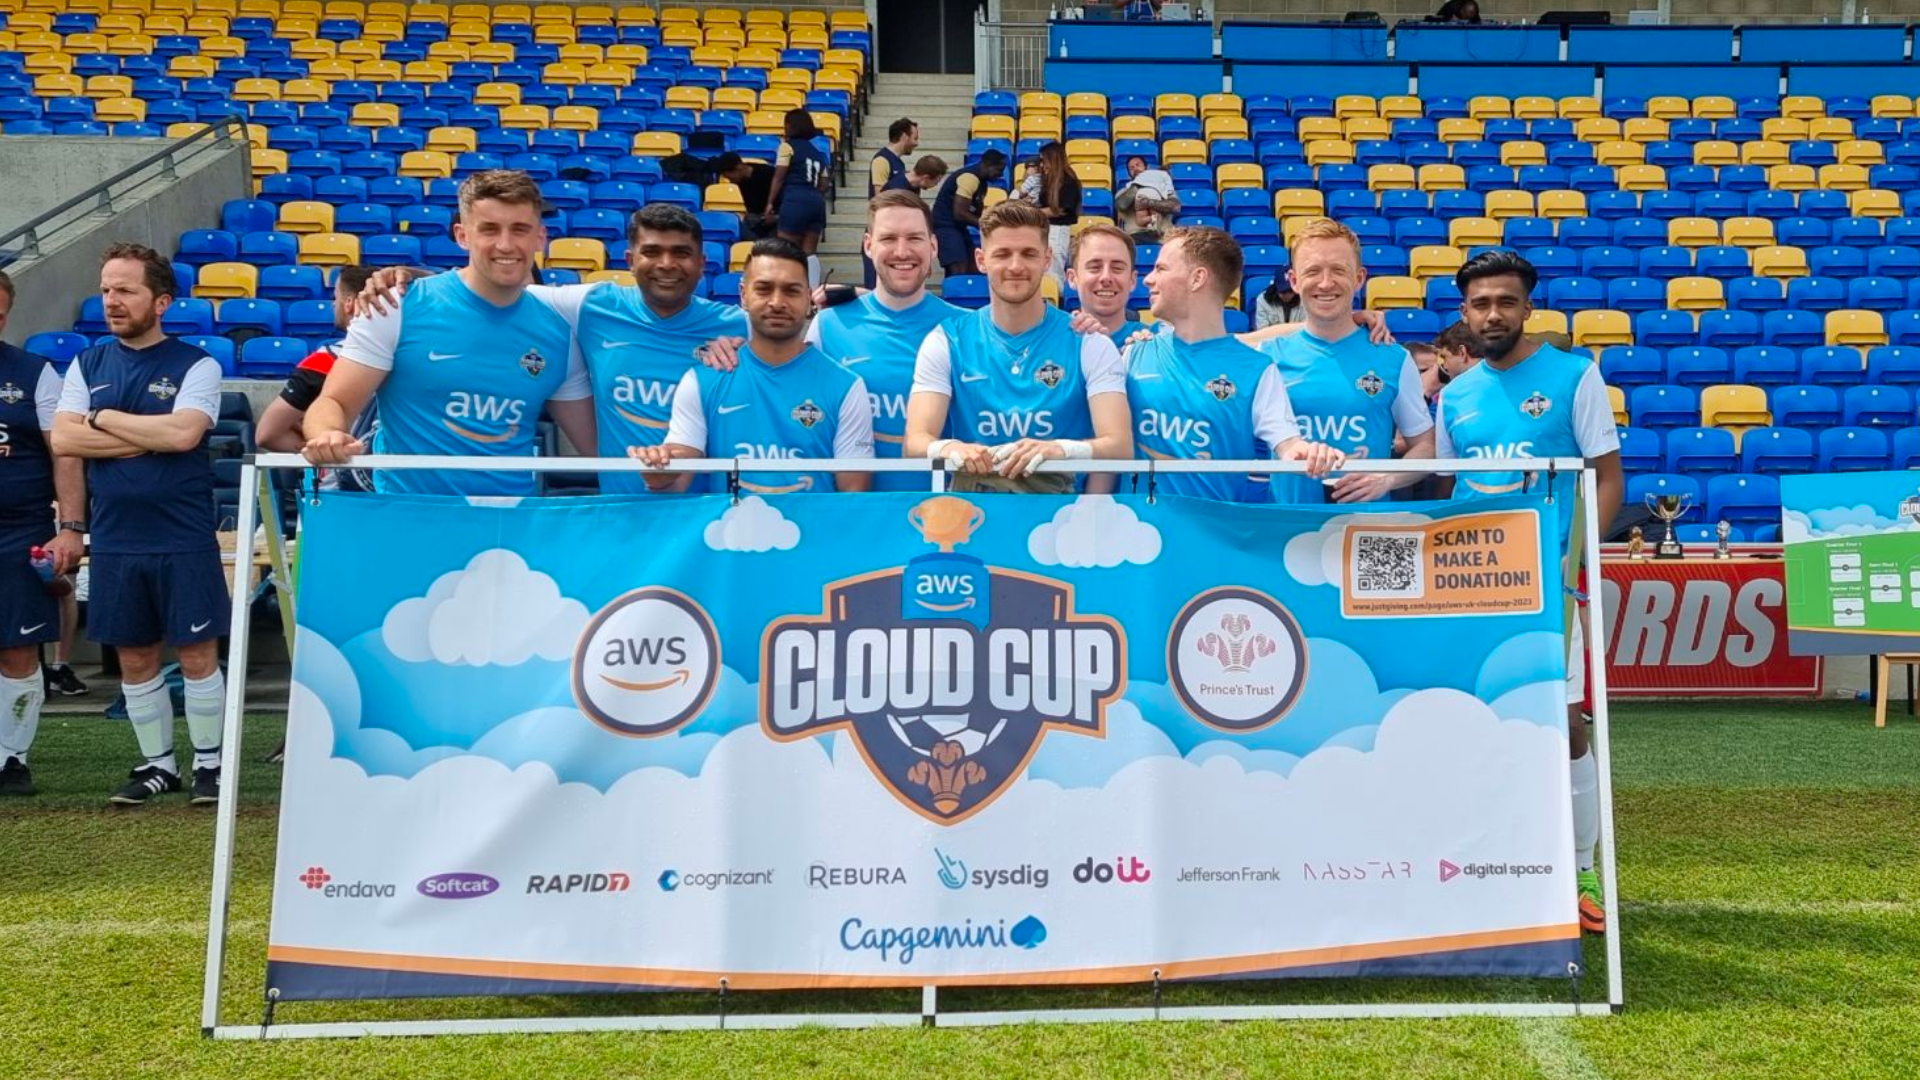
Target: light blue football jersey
x: 465, y: 378
x: 1350, y: 394
x: 1208, y: 400
x: 635, y: 359
x: 808, y: 407
x: 879, y: 344
x: 1127, y: 330
x: 1006, y: 387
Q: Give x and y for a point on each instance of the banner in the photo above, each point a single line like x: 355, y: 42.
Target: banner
x: 899, y: 739
x: 1701, y: 628
x: 1853, y: 561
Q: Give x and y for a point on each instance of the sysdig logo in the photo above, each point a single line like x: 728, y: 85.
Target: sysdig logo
x: 905, y: 942
x: 647, y: 663
x: 578, y: 883
x: 954, y: 874
x: 1126, y: 870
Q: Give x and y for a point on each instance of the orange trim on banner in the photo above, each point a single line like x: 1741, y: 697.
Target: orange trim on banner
x: 1189, y: 969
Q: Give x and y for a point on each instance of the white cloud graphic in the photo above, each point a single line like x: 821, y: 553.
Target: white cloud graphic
x: 753, y: 525
x: 496, y: 611
x: 1836, y: 521
x: 1313, y: 558
x: 1094, y: 530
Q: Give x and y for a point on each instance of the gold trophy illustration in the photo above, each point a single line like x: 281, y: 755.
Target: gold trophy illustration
x: 1670, y: 509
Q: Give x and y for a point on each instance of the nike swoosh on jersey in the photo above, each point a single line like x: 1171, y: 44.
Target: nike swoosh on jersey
x: 436, y: 357
x: 197, y: 627
x: 97, y: 389
x: 1148, y: 375
x: 617, y: 344
x: 1470, y: 416
x: 852, y: 360
x: 725, y: 409
x: 971, y: 378
x: 30, y: 629
x: 1291, y: 383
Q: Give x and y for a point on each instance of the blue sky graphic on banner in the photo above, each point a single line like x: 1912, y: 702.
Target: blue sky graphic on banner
x: 785, y: 728
x: 1853, y: 561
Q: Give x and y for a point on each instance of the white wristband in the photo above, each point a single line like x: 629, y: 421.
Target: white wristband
x: 938, y: 450
x: 1075, y: 449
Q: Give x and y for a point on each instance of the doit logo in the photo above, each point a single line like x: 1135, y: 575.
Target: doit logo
x: 647, y: 663
x: 1125, y: 870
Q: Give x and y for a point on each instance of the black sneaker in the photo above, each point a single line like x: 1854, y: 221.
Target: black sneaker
x: 206, y: 787
x: 279, y: 755
x: 62, y: 682
x: 143, y: 783
x: 15, y: 779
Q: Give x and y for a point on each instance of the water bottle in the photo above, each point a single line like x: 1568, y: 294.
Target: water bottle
x: 55, y: 584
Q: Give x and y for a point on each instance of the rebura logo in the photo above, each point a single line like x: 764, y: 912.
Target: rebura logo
x: 955, y: 875
x: 466, y: 409
x: 316, y: 879
x: 906, y: 942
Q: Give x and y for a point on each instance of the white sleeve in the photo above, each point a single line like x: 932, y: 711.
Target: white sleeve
x: 372, y: 339
x: 813, y: 331
x: 1442, y: 441
x: 1593, y: 425
x: 688, y: 426
x: 564, y: 299
x: 46, y: 396
x: 200, y: 389
x: 853, y: 438
x: 1101, y: 365
x: 933, y: 366
x: 1410, y: 414
x: 566, y: 302
x: 1273, y: 419
x: 75, y: 397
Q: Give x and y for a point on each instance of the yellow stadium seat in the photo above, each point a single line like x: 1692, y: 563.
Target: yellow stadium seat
x: 1876, y: 203
x: 564, y: 73
x: 1579, y: 107
x: 581, y: 254
x: 453, y: 140
x: 1522, y: 153
x: 191, y: 67
x: 1546, y: 321
x: 1601, y: 329
x: 1562, y: 204
x: 1617, y: 401
x: 1310, y: 128
x: 1124, y: 127
x: 1212, y: 105
x: 1086, y: 103
x: 1390, y: 178
x: 1734, y: 406
x: 1089, y: 151
x: 1597, y: 130
x: 1843, y: 177
x: 256, y: 90
x: 1469, y: 232
x: 1402, y: 107
x: 226, y: 281
x: 1239, y: 175
x: 1714, y: 107
x: 471, y: 33
x: 1509, y: 204
x: 626, y: 53
x: 656, y: 144
x: 1043, y: 126
x: 768, y: 121
x: 1783, y: 129
x: 426, y: 71
x: 1792, y: 177
x: 1716, y: 153
x: 1644, y: 129
x: 634, y: 15
x: 85, y: 44
x: 737, y: 255
x: 1779, y: 262
x: 1693, y: 232
x: 1861, y: 152
x: 1299, y: 203
x: 1489, y: 107
x: 1194, y: 152
x: 1620, y: 153
x: 513, y: 13
x: 688, y: 97
x: 1225, y: 127
x: 1696, y: 294
x: 1002, y: 127
x: 1764, y: 153
x: 449, y: 52
x: 1642, y: 178
x: 330, y: 249
x: 1865, y: 329
x: 267, y: 163
x: 1165, y: 105
x: 428, y: 164
x: 1330, y: 152
x: 1442, y: 178
x: 1668, y: 107
x: 305, y: 90
x: 609, y: 75
x: 1351, y: 105
x: 375, y: 114
x: 1461, y: 129
x: 496, y: 94
x: 306, y: 217
x: 383, y: 30
x: 1434, y: 260
x: 1387, y: 293
x: 122, y: 110
x: 1041, y: 101
x: 1093, y: 174
x: 493, y: 52
x: 1830, y: 129
x: 848, y: 20
x: 1892, y: 106
x: 525, y: 117
x: 724, y: 197
x: 223, y: 48
x: 1535, y: 108
x: 48, y: 86
x: 103, y: 87
x: 1747, y: 232
x: 576, y: 118
x: 1803, y: 107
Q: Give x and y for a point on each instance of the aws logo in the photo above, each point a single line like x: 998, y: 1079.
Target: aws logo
x: 466, y: 410
x: 647, y: 663
x: 646, y: 393
x: 1498, y: 483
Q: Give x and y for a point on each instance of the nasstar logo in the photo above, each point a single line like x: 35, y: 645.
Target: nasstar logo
x: 647, y: 663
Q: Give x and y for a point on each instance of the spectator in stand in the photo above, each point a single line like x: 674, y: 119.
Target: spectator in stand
x: 1457, y: 11
x: 957, y: 209
x: 755, y: 181
x: 280, y: 426
x: 1051, y: 185
x: 1278, y: 305
x: 1149, y: 199
x: 801, y: 176
x: 888, y: 172
x: 1136, y: 10
x: 927, y: 172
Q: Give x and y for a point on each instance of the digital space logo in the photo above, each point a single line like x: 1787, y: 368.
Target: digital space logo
x: 1480, y: 871
x: 903, y: 943
x: 647, y: 663
x: 1237, y: 659
x: 457, y: 886
x: 947, y: 672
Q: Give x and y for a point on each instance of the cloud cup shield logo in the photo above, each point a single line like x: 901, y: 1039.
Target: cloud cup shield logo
x: 1236, y: 659
x: 947, y: 672
x: 647, y: 663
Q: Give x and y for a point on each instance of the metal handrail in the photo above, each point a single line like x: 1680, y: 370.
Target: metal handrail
x: 219, y: 132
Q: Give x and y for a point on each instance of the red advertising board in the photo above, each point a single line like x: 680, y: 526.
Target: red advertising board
x: 1701, y: 628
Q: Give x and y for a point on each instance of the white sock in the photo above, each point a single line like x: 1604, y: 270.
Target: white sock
x: 206, y: 701
x: 1586, y: 808
x: 20, y: 701
x: 150, y: 707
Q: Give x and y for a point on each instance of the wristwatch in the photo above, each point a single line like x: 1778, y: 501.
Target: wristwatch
x: 74, y: 527
x: 93, y: 419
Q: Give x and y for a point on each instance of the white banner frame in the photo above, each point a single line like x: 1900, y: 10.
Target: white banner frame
x: 255, y: 466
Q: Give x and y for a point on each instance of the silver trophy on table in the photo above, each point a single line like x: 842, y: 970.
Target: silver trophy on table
x: 1724, y: 532
x: 1669, y: 509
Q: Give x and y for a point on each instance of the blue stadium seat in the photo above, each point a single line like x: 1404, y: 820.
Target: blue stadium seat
x: 58, y: 346
x: 1743, y: 499
x: 1639, y: 232
x: 1443, y: 297
x: 391, y: 249
x: 1697, y: 367
x: 1893, y: 365
x: 1575, y: 294
x: 188, y: 315
x: 1903, y: 328
x: 271, y: 357
x: 1756, y: 294
x: 966, y: 290
x: 1896, y: 261
x: 1640, y: 450
x: 422, y: 222
x: 1729, y: 329
x: 240, y: 216
x: 1805, y: 406
x: 254, y: 314
x: 1829, y: 365
x: 1859, y: 232
x: 1635, y: 295
x: 1776, y: 450
x: 1876, y: 294
x: 93, y: 317
x: 1413, y: 324
x: 1610, y: 262
x: 1905, y: 446
x: 1583, y: 233
x: 1664, y: 406
x: 1699, y: 450
x: 442, y: 252
x: 1703, y: 533
x: 1852, y: 449
x: 1724, y: 263
x: 1664, y: 329
x: 265, y: 249
x: 1765, y: 366
x: 1413, y: 232
x: 309, y: 319
x: 1666, y: 263
x: 1877, y: 406
x: 1628, y: 366
x: 291, y: 283
x: 221, y: 349
x: 1793, y: 329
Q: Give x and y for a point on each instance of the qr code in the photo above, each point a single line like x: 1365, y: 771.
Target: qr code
x: 1388, y: 565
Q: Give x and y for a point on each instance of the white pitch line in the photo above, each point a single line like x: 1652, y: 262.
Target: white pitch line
x: 41, y: 929
x: 1550, y: 1042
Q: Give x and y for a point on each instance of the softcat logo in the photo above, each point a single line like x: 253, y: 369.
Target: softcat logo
x: 647, y: 663
x: 466, y: 414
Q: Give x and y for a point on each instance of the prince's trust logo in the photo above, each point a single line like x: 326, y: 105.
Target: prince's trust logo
x: 947, y: 672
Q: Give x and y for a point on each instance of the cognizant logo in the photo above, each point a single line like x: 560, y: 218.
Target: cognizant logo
x: 905, y: 942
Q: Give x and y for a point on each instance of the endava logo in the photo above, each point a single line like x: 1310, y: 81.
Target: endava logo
x: 647, y: 663
x: 906, y: 942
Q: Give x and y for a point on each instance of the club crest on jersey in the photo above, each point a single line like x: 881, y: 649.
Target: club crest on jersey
x: 533, y: 363
x: 1049, y: 374
x: 1222, y: 388
x: 1371, y: 384
x: 162, y: 388
x: 11, y: 394
x: 1536, y: 405
x: 947, y: 673
x: 807, y: 414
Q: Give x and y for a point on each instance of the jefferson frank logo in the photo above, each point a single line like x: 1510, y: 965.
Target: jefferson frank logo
x: 647, y: 663
x: 947, y: 672
x: 1237, y: 659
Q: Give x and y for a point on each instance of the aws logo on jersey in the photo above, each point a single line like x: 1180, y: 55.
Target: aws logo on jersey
x: 163, y: 388
x: 1370, y: 384
x: 1536, y: 405
x: 469, y: 415
x: 1498, y: 483
x: 533, y: 363
x: 11, y: 394
x: 1049, y: 374
x: 647, y: 663
x: 1195, y: 435
x: 1222, y: 388
x: 650, y: 393
x: 807, y: 414
x: 946, y: 672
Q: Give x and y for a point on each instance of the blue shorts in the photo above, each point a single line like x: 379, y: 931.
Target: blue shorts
x: 28, y: 616
x: 802, y: 212
x: 954, y: 243
x: 175, y: 599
